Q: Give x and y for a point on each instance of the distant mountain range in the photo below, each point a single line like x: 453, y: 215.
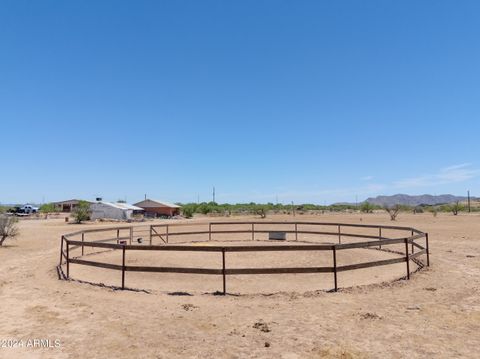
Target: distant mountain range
x: 425, y: 199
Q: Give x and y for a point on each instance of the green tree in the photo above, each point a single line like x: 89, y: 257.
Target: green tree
x: 456, y: 207
x: 81, y: 212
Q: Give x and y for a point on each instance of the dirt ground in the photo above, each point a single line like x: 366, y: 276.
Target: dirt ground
x: 436, y: 314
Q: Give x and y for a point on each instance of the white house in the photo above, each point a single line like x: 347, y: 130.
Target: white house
x: 108, y: 210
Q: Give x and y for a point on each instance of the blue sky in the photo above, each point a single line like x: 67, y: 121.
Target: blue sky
x: 310, y: 101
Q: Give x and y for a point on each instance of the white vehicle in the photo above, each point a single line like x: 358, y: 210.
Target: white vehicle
x: 28, y: 209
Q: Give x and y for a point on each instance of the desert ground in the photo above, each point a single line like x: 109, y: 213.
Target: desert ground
x: 376, y: 314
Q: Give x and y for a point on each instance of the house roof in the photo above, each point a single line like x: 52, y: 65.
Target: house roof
x: 70, y: 201
x: 148, y: 203
x: 122, y: 206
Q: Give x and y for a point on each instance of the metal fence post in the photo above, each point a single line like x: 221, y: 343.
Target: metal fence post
x: 413, y: 250
x: 335, y: 267
x: 428, y: 250
x: 150, y: 235
x: 123, y: 267
x: 68, y: 260
x: 61, y: 250
x: 223, y: 273
x: 83, y: 240
x: 209, y: 231
x: 253, y: 231
x: 296, y: 231
x: 380, y: 237
x: 407, y: 258
x: 131, y: 235
x: 339, y: 235
x: 166, y: 229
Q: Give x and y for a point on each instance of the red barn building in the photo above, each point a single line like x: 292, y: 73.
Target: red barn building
x: 154, y: 208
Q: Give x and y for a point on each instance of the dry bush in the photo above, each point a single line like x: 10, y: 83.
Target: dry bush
x: 392, y: 211
x: 8, y: 228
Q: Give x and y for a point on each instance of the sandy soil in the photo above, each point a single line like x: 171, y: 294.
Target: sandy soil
x: 434, y: 315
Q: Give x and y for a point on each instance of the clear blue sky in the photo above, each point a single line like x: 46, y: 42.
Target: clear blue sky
x: 310, y: 101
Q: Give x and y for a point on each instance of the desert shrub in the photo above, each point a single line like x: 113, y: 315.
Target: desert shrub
x: 48, y: 208
x: 417, y: 209
x: 81, y: 212
x: 204, y: 208
x: 367, y: 207
x: 260, y: 210
x: 434, y: 211
x: 455, y: 208
x: 188, y: 211
x: 254, y: 208
x: 444, y: 208
x: 6, y: 209
x: 8, y: 228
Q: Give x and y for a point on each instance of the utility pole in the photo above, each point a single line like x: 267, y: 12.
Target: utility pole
x: 214, y: 194
x: 293, y: 209
x: 468, y: 195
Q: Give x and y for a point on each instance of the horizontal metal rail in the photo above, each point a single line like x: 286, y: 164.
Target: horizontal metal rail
x: 309, y: 223
x: 418, y: 254
x: 95, y: 264
x: 189, y: 248
x: 353, y: 235
x: 370, y: 264
x: 173, y: 270
x: 291, y: 270
x: 96, y: 230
